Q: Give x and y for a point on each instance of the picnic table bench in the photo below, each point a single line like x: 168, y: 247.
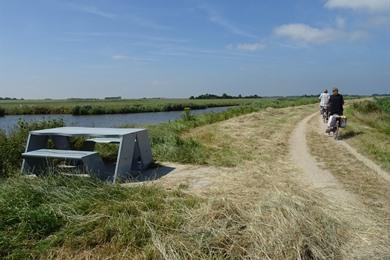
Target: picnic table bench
x: 134, y: 151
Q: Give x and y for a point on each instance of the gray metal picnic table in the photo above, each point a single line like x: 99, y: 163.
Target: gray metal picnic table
x: 133, y: 143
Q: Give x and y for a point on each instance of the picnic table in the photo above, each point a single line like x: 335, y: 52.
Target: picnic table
x: 134, y: 149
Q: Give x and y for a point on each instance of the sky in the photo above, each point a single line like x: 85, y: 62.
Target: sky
x: 179, y: 48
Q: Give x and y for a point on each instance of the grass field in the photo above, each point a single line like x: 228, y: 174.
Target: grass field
x: 369, y: 129
x: 60, y: 217
x: 257, y: 208
x: 166, y: 138
x: 366, y: 185
x: 91, y: 106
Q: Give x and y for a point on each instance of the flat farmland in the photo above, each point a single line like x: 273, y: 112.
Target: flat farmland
x: 100, y: 106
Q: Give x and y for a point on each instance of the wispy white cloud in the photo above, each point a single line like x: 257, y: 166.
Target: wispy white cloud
x: 248, y: 47
x: 93, y: 10
x: 369, y: 5
x: 132, y: 18
x: 120, y: 57
x: 306, y: 34
x: 221, y: 21
x: 125, y: 57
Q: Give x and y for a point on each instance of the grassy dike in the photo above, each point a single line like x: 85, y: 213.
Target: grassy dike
x: 367, y: 132
x: 97, y: 107
x: 61, y: 217
x: 369, y: 129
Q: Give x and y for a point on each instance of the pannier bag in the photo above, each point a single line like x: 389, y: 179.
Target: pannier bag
x: 343, y: 121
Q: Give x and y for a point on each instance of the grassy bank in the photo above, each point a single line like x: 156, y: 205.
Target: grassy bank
x: 369, y: 129
x: 94, y: 107
x: 367, y: 187
x: 262, y: 213
x: 52, y: 217
x: 168, y: 143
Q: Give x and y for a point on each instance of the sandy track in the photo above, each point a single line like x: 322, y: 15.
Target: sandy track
x: 366, y: 161
x: 370, y: 164
x: 313, y: 175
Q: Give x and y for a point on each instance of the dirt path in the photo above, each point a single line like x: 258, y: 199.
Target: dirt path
x: 370, y: 164
x: 366, y: 161
x: 313, y: 174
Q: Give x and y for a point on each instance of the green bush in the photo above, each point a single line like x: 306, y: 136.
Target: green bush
x: 374, y: 113
x: 2, y: 111
x: 13, y: 144
x: 366, y: 106
x: 187, y: 116
x: 384, y: 104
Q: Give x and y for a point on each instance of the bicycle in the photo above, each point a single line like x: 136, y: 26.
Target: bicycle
x: 341, y: 122
x: 324, y: 113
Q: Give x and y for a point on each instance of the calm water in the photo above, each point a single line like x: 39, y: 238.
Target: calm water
x: 9, y: 122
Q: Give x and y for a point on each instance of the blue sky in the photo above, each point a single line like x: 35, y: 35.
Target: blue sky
x: 178, y: 48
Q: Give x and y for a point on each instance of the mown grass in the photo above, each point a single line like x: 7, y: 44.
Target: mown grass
x: 369, y: 129
x: 44, y: 216
x: 74, y: 218
x: 169, y: 142
x: 369, y: 188
x: 61, y: 217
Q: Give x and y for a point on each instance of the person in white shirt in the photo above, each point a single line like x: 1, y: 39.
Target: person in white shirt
x: 324, y: 97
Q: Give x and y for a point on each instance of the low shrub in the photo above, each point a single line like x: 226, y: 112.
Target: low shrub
x: 13, y: 144
x: 366, y: 106
x: 384, y: 104
x: 2, y: 111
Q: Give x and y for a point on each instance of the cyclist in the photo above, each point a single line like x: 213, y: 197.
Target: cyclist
x: 324, y: 97
x: 336, y: 108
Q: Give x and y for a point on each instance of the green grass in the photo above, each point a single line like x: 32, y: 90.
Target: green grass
x: 41, y: 215
x: 369, y: 129
x: 168, y: 143
x: 91, y: 106
x: 62, y: 217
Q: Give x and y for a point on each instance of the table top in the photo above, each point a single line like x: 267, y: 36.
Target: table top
x: 87, y: 131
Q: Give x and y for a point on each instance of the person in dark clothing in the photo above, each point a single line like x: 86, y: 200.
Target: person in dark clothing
x: 335, y: 108
x: 336, y: 103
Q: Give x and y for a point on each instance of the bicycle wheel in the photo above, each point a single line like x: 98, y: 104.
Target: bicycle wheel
x: 336, y: 133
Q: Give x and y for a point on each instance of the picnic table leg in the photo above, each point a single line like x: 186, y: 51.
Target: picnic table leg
x: 144, y: 148
x: 94, y: 166
x: 34, y: 165
x: 125, y: 157
x: 34, y: 142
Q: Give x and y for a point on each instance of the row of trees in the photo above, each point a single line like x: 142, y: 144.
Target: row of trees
x: 9, y: 98
x: 223, y: 96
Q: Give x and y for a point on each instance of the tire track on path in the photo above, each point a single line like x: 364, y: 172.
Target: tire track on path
x: 318, y: 178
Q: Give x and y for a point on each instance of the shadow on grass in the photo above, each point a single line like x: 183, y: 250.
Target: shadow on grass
x: 349, y: 134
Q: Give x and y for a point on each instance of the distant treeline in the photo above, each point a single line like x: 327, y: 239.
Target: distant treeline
x: 9, y: 98
x: 113, y: 98
x: 381, y: 95
x: 223, y: 96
